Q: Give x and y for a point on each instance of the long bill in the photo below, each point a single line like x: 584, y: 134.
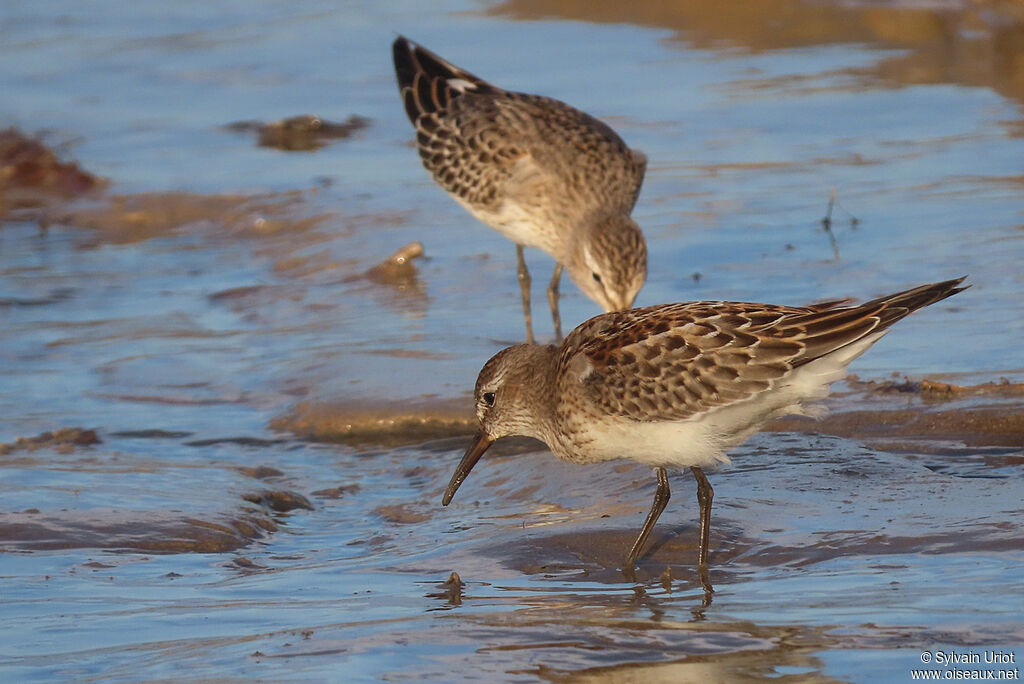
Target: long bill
x: 480, y: 444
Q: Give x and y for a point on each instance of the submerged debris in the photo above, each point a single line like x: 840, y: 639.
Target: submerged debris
x: 401, y: 514
x: 280, y: 501
x: 666, y: 579
x: 300, y: 133
x: 399, y: 275
x: 63, y: 440
x: 397, y: 269
x: 337, y: 492
x: 826, y: 223
x: 245, y: 563
x: 451, y: 590
x: 454, y: 585
x: 260, y: 472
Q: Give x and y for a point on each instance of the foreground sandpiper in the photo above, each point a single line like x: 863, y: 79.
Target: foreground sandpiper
x: 676, y: 385
x: 538, y: 171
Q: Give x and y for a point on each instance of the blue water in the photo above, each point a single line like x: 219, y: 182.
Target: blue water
x: 835, y: 559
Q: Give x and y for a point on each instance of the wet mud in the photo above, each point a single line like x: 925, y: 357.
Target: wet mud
x: 985, y: 37
x: 872, y: 410
x: 378, y: 423
x: 95, y: 498
x: 63, y: 440
x: 984, y: 414
x: 120, y: 530
x: 976, y: 426
x: 33, y: 175
x: 134, y: 218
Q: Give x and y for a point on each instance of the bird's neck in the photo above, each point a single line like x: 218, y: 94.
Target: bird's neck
x: 537, y: 388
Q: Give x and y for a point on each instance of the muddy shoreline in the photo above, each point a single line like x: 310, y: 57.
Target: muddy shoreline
x: 986, y: 414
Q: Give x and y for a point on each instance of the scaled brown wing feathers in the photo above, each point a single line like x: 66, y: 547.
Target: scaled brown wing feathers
x: 424, y: 79
x: 673, y: 361
x: 481, y: 142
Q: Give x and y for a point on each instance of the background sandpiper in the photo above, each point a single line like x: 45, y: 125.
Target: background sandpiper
x: 540, y: 172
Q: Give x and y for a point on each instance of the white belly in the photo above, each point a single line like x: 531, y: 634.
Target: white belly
x: 703, y: 439
x: 668, y: 444
x: 521, y: 226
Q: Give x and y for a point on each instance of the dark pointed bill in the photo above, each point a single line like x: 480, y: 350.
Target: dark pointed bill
x: 480, y: 444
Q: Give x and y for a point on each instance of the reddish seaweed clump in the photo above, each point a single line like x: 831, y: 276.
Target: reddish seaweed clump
x: 31, y: 174
x: 63, y: 440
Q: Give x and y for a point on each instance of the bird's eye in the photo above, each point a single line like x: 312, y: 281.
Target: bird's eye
x: 597, y: 277
x: 488, y: 398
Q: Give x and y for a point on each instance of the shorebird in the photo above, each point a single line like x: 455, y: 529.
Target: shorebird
x: 535, y: 169
x: 675, y: 385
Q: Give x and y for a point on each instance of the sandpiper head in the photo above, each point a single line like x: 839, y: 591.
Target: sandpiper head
x: 608, y: 260
x: 511, y: 391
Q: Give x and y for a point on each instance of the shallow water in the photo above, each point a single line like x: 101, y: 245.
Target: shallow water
x: 220, y: 311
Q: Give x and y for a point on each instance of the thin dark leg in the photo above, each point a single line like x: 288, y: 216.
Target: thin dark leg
x: 661, y: 497
x: 556, y: 280
x: 705, y: 582
x: 524, y: 287
x: 704, y: 496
